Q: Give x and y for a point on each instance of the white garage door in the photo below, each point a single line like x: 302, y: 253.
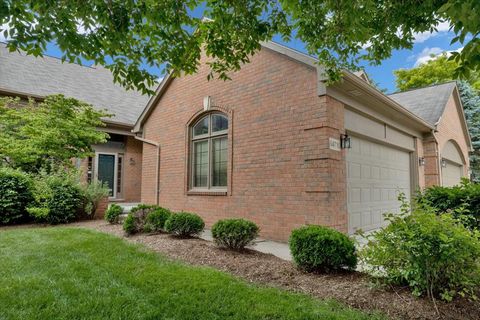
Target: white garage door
x: 375, y: 175
x: 451, y: 174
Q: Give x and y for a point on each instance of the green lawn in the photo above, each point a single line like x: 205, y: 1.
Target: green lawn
x: 70, y: 273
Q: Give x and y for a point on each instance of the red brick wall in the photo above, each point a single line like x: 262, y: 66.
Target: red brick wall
x: 449, y: 128
x: 132, y: 170
x: 102, y: 207
x: 281, y: 173
x: 432, y: 165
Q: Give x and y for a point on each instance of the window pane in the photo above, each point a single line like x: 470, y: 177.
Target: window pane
x: 219, y: 123
x: 200, y: 164
x: 219, y: 162
x: 201, y: 127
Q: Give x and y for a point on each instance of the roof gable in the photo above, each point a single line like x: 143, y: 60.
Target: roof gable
x: 428, y: 103
x: 321, y: 86
x: 39, y: 77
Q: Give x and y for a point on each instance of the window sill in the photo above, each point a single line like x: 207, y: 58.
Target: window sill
x: 206, y: 192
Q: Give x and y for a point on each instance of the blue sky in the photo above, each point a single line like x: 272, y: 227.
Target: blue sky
x: 425, y: 45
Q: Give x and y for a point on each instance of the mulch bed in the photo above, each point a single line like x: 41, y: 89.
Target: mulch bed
x: 353, y: 289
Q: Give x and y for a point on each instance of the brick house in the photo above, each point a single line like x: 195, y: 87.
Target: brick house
x: 280, y: 147
x: 117, y: 162
x: 275, y: 145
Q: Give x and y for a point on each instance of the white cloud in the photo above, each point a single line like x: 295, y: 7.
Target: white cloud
x: 419, y: 37
x: 442, y: 27
x: 3, y: 27
x: 366, y: 45
x: 428, y: 54
x: 82, y: 29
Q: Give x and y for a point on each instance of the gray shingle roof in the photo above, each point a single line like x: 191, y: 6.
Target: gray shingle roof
x: 45, y: 76
x: 428, y: 103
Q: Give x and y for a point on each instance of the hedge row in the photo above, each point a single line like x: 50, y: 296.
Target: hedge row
x: 230, y: 233
x: 54, y: 197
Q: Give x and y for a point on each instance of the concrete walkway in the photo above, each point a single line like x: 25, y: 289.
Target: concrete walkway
x: 278, y: 249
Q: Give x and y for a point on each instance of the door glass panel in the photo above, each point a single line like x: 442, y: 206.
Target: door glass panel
x: 106, y: 170
x: 119, y: 175
x: 200, y: 164
x: 219, y: 162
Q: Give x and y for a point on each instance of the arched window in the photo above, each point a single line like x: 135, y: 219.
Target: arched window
x: 209, y: 152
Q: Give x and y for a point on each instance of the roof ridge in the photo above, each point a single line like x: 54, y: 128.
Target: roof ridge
x: 45, y: 55
x: 429, y: 86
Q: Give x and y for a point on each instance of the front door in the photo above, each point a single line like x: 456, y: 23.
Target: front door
x: 106, y: 171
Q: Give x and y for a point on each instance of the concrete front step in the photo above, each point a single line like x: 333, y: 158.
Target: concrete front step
x: 126, y: 206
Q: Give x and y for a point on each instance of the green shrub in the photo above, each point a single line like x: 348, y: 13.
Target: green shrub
x: 462, y: 201
x: 433, y: 254
x: 93, y: 193
x: 58, y: 197
x: 15, y: 195
x: 113, y: 212
x: 320, y: 249
x: 144, y: 208
x: 156, y: 219
x: 139, y: 215
x: 129, y: 225
x: 184, y: 224
x: 234, y: 233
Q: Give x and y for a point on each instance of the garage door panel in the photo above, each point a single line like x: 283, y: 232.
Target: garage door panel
x: 376, y: 174
x: 452, y: 174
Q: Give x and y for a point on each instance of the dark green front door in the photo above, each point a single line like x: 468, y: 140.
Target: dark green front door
x: 106, y: 170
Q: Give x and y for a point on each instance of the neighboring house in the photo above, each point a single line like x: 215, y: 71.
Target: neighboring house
x: 279, y: 146
x: 117, y: 162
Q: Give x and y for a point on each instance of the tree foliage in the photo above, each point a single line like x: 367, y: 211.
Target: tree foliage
x: 437, y: 70
x: 50, y: 133
x: 471, y: 106
x: 123, y: 35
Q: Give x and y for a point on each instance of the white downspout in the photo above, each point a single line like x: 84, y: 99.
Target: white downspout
x: 157, y: 169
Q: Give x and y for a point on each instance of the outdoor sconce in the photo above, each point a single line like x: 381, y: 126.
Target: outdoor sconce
x: 421, y: 161
x: 444, y: 163
x: 132, y: 161
x: 345, y: 142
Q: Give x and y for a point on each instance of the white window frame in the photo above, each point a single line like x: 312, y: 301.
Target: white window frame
x: 209, y: 137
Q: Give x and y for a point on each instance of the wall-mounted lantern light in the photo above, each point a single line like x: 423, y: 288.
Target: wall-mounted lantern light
x: 132, y: 161
x: 444, y: 163
x: 421, y: 161
x: 345, y: 142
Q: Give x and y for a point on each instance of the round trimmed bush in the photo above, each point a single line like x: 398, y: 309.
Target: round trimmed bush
x: 113, y: 212
x: 139, y: 216
x: 156, y: 219
x: 319, y: 249
x: 234, y: 233
x: 184, y: 224
x: 15, y: 195
x: 129, y: 225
